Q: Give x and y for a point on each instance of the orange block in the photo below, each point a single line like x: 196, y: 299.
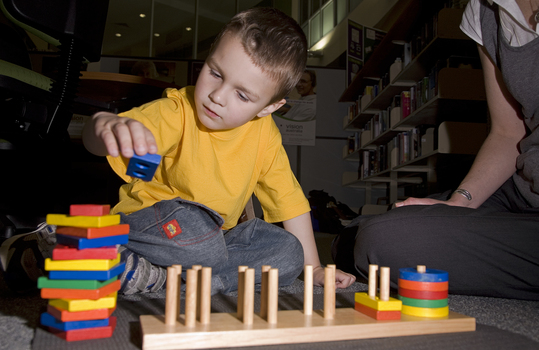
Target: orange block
x: 89, y: 209
x: 93, y: 294
x: 94, y: 232
x: 67, y: 316
x: 378, y: 315
x: 426, y: 286
x: 86, y: 333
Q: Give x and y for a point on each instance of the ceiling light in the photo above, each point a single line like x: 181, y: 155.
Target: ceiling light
x: 188, y: 29
x: 156, y: 34
x: 118, y: 35
x: 142, y: 15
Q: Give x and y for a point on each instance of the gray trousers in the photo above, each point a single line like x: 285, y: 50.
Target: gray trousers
x: 490, y: 251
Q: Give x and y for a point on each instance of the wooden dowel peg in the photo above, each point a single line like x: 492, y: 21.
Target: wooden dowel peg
x: 241, y: 290
x: 308, y: 290
x: 264, y: 292
x: 384, y: 283
x: 178, y: 269
x: 329, y: 292
x: 273, y: 294
x: 372, y: 280
x: 421, y: 269
x: 171, y: 299
x: 249, y: 296
x: 205, y: 295
x: 198, y: 268
x: 191, y: 298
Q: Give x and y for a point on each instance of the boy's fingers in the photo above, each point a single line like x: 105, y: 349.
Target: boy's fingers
x: 110, y: 143
x: 123, y: 137
x: 150, y: 141
x: 138, y: 137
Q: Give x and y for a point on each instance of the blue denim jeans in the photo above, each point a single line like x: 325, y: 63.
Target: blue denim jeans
x: 187, y: 233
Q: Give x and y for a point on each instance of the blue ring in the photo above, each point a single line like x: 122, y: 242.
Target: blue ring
x: 432, y: 275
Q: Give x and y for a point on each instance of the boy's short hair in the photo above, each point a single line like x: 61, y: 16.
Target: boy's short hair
x: 274, y: 41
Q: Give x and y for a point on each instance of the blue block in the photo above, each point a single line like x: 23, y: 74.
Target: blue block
x: 85, y: 243
x: 432, y: 275
x: 87, y: 275
x: 49, y: 321
x: 143, y: 167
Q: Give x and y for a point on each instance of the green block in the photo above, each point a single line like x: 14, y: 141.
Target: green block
x: 44, y: 282
x: 424, y: 303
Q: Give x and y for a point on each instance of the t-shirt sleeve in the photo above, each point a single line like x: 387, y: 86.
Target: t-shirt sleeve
x: 278, y: 191
x: 163, y: 118
x: 471, y: 21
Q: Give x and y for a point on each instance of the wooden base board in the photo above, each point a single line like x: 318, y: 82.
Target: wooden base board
x: 226, y: 330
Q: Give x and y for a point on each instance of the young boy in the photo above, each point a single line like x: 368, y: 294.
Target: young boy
x: 219, y: 145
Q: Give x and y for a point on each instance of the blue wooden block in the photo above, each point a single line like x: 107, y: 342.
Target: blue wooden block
x: 143, y: 167
x: 87, y: 275
x: 49, y: 321
x: 85, y: 243
x: 432, y: 275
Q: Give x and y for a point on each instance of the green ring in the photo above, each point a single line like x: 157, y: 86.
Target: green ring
x: 423, y: 302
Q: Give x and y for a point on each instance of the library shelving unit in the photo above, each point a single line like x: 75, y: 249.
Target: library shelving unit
x: 452, y: 119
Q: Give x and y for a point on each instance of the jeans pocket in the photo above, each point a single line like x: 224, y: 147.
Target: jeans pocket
x: 177, y: 232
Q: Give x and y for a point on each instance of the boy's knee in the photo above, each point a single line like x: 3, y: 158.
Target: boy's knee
x: 292, y: 256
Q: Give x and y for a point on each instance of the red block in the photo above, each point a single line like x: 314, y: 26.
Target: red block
x: 426, y: 286
x: 62, y: 252
x: 67, y: 316
x: 93, y: 294
x: 89, y: 209
x: 86, y: 333
x: 419, y: 294
x: 378, y: 315
x: 94, y: 232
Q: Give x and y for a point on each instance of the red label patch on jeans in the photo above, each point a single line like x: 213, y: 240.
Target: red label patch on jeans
x: 172, y: 228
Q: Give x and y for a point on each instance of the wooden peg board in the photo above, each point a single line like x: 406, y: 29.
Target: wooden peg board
x: 227, y: 330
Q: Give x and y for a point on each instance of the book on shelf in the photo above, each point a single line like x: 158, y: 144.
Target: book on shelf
x: 405, y: 104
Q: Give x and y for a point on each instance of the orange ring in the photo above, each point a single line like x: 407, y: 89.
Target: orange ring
x: 426, y: 286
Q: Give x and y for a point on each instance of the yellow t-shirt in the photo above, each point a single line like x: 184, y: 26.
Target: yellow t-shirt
x: 220, y: 169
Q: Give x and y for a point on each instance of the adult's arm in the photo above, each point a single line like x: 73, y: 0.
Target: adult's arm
x: 496, y: 160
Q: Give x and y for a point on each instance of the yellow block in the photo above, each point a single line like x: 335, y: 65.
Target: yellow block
x: 425, y: 312
x: 81, y: 265
x: 375, y: 303
x: 85, y: 304
x: 83, y: 221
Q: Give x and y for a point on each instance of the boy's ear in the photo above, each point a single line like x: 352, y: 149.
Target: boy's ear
x: 271, y: 108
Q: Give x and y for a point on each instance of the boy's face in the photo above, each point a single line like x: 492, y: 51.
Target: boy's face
x: 231, y: 90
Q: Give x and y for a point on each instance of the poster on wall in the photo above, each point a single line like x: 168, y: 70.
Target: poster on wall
x: 355, y: 40
x: 297, y: 118
x: 362, y: 41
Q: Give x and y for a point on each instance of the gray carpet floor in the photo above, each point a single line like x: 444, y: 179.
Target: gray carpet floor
x: 501, y: 323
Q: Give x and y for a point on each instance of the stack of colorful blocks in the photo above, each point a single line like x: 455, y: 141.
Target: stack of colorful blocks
x: 82, y: 282
x: 383, y: 307
x: 423, y: 292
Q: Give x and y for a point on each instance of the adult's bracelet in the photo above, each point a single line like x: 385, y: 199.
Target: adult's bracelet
x: 465, y: 193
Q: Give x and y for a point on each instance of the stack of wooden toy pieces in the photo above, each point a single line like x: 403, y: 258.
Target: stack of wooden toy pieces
x: 423, y: 292
x: 381, y: 307
x: 82, y: 282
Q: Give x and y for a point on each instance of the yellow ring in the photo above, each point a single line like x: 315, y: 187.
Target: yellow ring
x: 425, y: 312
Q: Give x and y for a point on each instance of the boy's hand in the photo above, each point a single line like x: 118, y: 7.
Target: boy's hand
x: 342, y: 279
x: 123, y: 135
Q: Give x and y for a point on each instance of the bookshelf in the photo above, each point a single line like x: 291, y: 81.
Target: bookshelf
x: 429, y: 115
